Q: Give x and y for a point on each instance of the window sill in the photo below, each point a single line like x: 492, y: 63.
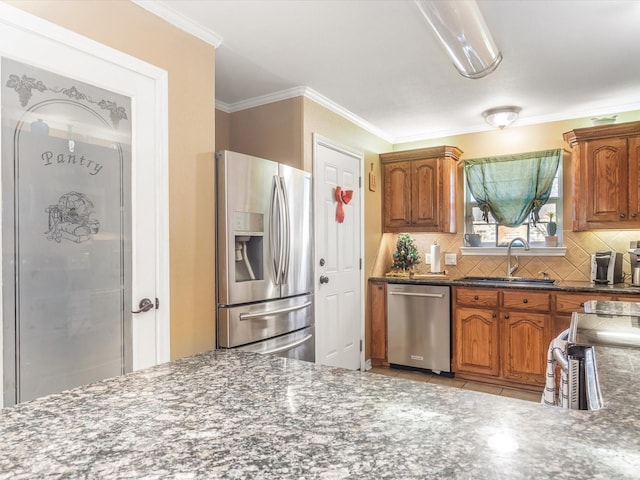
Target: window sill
x: 502, y: 251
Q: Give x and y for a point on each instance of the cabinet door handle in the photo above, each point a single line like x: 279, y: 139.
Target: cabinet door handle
x: 525, y: 300
x: 622, y: 215
x: 476, y: 297
x: 634, y: 215
x: 494, y: 315
x: 581, y: 304
x: 506, y: 315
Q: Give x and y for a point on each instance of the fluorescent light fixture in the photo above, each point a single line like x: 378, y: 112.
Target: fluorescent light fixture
x: 459, y: 25
x: 502, y: 116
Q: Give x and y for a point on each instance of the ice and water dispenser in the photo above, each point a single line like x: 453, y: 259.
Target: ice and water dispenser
x: 248, y: 231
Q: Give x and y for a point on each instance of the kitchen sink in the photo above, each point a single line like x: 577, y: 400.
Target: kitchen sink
x: 511, y: 280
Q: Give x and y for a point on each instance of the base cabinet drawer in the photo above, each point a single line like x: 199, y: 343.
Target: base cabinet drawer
x: 574, y: 302
x: 477, y: 297
x: 526, y: 300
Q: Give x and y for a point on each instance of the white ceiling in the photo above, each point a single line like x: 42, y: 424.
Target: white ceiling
x: 378, y: 63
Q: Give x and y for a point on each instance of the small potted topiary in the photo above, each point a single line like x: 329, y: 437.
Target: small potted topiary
x: 550, y: 240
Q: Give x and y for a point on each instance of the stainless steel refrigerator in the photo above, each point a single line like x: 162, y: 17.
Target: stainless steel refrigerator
x: 264, y: 257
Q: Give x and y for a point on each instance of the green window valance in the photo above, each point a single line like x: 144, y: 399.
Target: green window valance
x: 511, y: 187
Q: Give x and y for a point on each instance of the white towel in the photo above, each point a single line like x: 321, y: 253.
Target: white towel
x: 549, y: 396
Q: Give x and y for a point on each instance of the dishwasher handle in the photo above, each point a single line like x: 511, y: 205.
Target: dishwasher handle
x: 409, y: 294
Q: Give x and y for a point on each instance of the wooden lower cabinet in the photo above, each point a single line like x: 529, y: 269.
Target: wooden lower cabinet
x: 524, y: 346
x: 476, y: 341
x: 506, y: 344
x: 559, y: 324
x: 502, y: 336
x: 565, y: 303
x: 378, y: 312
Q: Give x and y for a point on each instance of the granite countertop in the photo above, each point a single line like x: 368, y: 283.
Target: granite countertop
x: 565, y: 285
x: 227, y: 414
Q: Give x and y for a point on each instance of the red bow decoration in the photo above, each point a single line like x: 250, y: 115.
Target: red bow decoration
x: 342, y: 196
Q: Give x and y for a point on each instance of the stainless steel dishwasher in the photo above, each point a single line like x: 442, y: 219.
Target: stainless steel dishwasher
x: 419, y: 326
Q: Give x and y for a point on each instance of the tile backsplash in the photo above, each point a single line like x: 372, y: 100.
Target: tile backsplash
x: 574, y: 266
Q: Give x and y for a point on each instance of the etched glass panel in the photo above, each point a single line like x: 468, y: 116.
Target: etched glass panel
x: 66, y: 171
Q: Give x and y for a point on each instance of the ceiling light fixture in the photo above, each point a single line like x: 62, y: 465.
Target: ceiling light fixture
x: 502, y: 116
x: 459, y: 25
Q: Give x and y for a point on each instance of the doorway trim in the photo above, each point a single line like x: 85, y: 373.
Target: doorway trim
x: 319, y: 140
x: 18, y: 19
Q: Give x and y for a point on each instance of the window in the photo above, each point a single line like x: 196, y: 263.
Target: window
x: 492, y: 234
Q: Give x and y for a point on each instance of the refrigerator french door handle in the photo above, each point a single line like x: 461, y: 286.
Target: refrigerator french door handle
x: 286, y: 239
x: 274, y: 228
x: 281, y: 230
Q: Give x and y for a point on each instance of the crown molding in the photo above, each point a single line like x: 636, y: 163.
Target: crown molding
x: 347, y: 114
x: 223, y: 107
x: 521, y: 122
x: 311, y: 95
x: 157, y: 7
x: 263, y: 99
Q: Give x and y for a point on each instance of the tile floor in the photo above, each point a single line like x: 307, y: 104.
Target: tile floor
x: 458, y: 383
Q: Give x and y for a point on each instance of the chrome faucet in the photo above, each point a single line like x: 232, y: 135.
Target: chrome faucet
x: 510, y: 269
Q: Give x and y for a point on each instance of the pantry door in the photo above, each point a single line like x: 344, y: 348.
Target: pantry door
x: 339, y: 312
x: 84, y: 240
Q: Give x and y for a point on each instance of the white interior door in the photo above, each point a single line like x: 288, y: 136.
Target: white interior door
x: 141, y: 240
x: 338, y: 252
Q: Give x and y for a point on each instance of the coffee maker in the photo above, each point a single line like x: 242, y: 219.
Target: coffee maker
x: 634, y: 261
x: 606, y: 268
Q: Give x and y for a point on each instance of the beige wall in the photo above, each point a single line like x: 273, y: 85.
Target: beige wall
x: 190, y: 66
x: 283, y: 131
x: 280, y: 129
x: 223, y: 135
x: 322, y: 121
x: 575, y: 264
x: 272, y: 131
x: 249, y: 135
x: 515, y: 140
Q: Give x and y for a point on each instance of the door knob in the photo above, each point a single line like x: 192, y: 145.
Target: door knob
x: 144, y: 306
x: 324, y: 279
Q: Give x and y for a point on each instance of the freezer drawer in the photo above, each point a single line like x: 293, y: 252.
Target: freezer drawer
x: 254, y: 322
x: 299, y: 345
x: 419, y: 326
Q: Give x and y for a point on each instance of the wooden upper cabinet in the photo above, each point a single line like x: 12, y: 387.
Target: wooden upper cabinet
x: 397, y: 194
x: 424, y: 199
x: 419, y: 190
x: 606, y: 176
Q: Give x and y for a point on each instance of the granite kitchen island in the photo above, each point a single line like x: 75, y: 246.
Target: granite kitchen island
x: 243, y: 416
